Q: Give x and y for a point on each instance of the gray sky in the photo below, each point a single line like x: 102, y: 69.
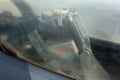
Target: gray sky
x: 54, y: 4
x: 39, y: 5
x: 101, y: 17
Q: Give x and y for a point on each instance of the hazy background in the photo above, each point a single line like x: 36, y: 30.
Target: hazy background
x: 101, y: 17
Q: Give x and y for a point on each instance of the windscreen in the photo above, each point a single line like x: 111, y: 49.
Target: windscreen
x: 57, y: 42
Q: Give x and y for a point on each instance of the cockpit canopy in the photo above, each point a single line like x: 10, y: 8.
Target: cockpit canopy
x: 56, y: 42
x: 53, y: 40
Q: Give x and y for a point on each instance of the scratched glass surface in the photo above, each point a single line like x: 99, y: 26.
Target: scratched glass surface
x: 54, y: 39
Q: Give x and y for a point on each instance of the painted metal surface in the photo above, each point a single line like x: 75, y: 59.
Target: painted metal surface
x: 41, y: 74
x: 15, y: 69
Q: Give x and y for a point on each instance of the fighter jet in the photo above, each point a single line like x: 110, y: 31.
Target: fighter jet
x: 53, y: 46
